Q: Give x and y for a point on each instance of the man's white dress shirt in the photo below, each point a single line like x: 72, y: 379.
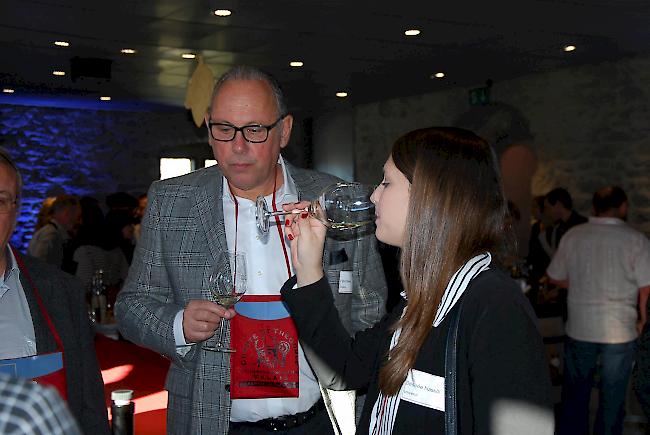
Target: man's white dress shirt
x: 266, y: 273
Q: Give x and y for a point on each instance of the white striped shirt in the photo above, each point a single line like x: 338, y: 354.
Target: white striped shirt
x: 384, y: 411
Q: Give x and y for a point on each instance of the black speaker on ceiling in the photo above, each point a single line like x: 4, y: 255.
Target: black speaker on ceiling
x: 93, y: 67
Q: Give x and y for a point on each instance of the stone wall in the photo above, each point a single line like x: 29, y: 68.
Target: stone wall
x: 86, y: 152
x: 587, y: 127
x: 95, y: 152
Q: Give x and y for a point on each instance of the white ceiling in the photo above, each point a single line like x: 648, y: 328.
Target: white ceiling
x: 356, y: 46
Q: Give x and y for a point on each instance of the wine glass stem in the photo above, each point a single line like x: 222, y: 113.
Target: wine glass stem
x: 222, y: 324
x: 284, y: 213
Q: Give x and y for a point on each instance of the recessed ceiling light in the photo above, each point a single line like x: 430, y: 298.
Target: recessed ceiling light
x: 106, y: 98
x: 128, y: 51
x: 296, y: 63
x: 568, y: 48
x: 223, y: 12
x: 8, y: 90
x: 437, y: 75
x: 62, y: 43
x: 56, y: 72
x: 341, y: 94
x: 188, y: 55
x: 412, y: 32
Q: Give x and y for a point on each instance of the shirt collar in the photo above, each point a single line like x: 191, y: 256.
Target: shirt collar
x: 11, y: 271
x: 459, y: 283
x: 606, y: 220
x: 288, y: 188
x: 12, y: 264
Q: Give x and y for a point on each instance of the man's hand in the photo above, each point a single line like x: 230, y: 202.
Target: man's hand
x: 640, y: 324
x: 201, y: 319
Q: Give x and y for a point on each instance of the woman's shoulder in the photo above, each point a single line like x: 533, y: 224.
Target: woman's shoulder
x: 493, y: 292
x: 493, y: 283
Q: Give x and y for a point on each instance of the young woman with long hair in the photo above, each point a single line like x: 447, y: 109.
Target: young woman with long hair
x: 441, y: 201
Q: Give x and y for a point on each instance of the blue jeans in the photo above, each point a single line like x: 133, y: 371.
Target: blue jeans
x: 580, y: 360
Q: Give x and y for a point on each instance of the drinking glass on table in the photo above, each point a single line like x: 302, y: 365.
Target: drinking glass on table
x: 227, y: 283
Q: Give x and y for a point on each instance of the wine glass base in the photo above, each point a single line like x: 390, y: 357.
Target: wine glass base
x: 218, y: 349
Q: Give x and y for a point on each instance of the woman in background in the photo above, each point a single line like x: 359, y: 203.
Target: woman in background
x: 441, y: 202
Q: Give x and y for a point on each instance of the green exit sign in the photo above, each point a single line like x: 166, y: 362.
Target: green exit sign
x: 479, y: 96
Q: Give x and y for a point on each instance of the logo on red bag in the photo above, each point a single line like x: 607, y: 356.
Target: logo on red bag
x: 271, y: 347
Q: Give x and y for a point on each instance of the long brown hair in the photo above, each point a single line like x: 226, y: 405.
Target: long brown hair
x: 456, y: 210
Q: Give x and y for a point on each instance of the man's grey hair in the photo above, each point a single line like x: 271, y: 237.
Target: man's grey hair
x: 6, y: 159
x: 64, y: 201
x: 245, y: 72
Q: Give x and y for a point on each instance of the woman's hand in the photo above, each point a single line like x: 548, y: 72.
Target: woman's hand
x: 307, y: 238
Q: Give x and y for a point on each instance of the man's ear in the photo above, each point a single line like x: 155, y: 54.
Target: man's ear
x: 287, y: 124
x: 623, y: 209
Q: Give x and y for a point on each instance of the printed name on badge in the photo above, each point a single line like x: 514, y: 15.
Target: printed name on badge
x: 345, y: 281
x: 424, y: 389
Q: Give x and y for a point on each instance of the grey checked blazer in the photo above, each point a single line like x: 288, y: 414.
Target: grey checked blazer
x: 182, y: 234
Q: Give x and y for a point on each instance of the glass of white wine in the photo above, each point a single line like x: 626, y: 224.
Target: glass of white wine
x: 227, y: 283
x: 340, y: 206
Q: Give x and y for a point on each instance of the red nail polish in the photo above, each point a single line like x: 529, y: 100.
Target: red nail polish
x: 287, y: 223
x: 290, y: 236
x: 304, y: 215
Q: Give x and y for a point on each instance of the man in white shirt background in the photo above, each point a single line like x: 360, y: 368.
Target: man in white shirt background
x: 605, y: 264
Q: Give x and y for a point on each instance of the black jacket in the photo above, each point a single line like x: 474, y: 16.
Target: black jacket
x: 501, y: 356
x: 64, y: 301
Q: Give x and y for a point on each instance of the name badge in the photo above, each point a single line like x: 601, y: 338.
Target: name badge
x: 424, y: 389
x: 345, y: 281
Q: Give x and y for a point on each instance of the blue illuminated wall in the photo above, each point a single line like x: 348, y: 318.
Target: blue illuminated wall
x: 87, y: 152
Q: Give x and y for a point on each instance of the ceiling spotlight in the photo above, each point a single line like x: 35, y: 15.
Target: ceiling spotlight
x: 62, y: 43
x: 56, y: 72
x: 8, y: 90
x: 412, y: 32
x: 128, y: 51
x: 223, y: 12
x: 341, y: 94
x: 105, y: 98
x: 188, y: 55
x: 296, y: 63
x: 568, y: 48
x: 437, y: 75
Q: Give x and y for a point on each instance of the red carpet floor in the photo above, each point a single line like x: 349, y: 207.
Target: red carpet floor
x: 127, y: 366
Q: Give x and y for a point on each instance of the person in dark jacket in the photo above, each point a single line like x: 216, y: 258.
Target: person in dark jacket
x: 441, y: 201
x: 558, y: 206
x: 46, y: 333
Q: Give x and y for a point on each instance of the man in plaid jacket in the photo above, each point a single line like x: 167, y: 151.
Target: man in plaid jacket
x: 190, y: 220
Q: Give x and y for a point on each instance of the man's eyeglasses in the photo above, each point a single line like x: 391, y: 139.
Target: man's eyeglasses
x: 253, y: 133
x: 7, y: 204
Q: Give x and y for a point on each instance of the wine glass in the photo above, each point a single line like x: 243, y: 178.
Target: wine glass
x: 340, y: 206
x: 227, y: 283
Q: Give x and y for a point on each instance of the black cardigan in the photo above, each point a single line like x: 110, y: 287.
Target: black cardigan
x: 501, y: 355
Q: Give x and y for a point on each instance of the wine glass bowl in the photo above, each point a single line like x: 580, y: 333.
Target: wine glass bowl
x: 228, y: 284
x: 340, y: 206
x: 345, y: 206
